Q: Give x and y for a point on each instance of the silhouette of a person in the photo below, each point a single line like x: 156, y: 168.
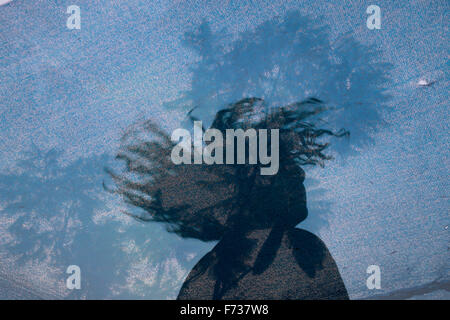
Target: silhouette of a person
x: 260, y: 253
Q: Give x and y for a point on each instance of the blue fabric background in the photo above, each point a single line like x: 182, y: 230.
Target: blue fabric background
x: 66, y: 97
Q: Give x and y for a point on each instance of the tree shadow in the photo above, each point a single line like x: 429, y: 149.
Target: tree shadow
x: 51, y: 218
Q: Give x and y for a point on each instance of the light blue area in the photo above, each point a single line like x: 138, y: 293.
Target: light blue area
x: 385, y: 203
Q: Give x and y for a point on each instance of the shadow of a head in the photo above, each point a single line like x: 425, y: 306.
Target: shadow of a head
x: 207, y: 201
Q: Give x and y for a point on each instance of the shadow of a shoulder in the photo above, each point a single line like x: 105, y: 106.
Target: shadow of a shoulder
x: 289, y: 264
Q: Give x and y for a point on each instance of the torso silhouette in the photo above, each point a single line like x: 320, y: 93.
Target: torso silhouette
x: 266, y: 264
